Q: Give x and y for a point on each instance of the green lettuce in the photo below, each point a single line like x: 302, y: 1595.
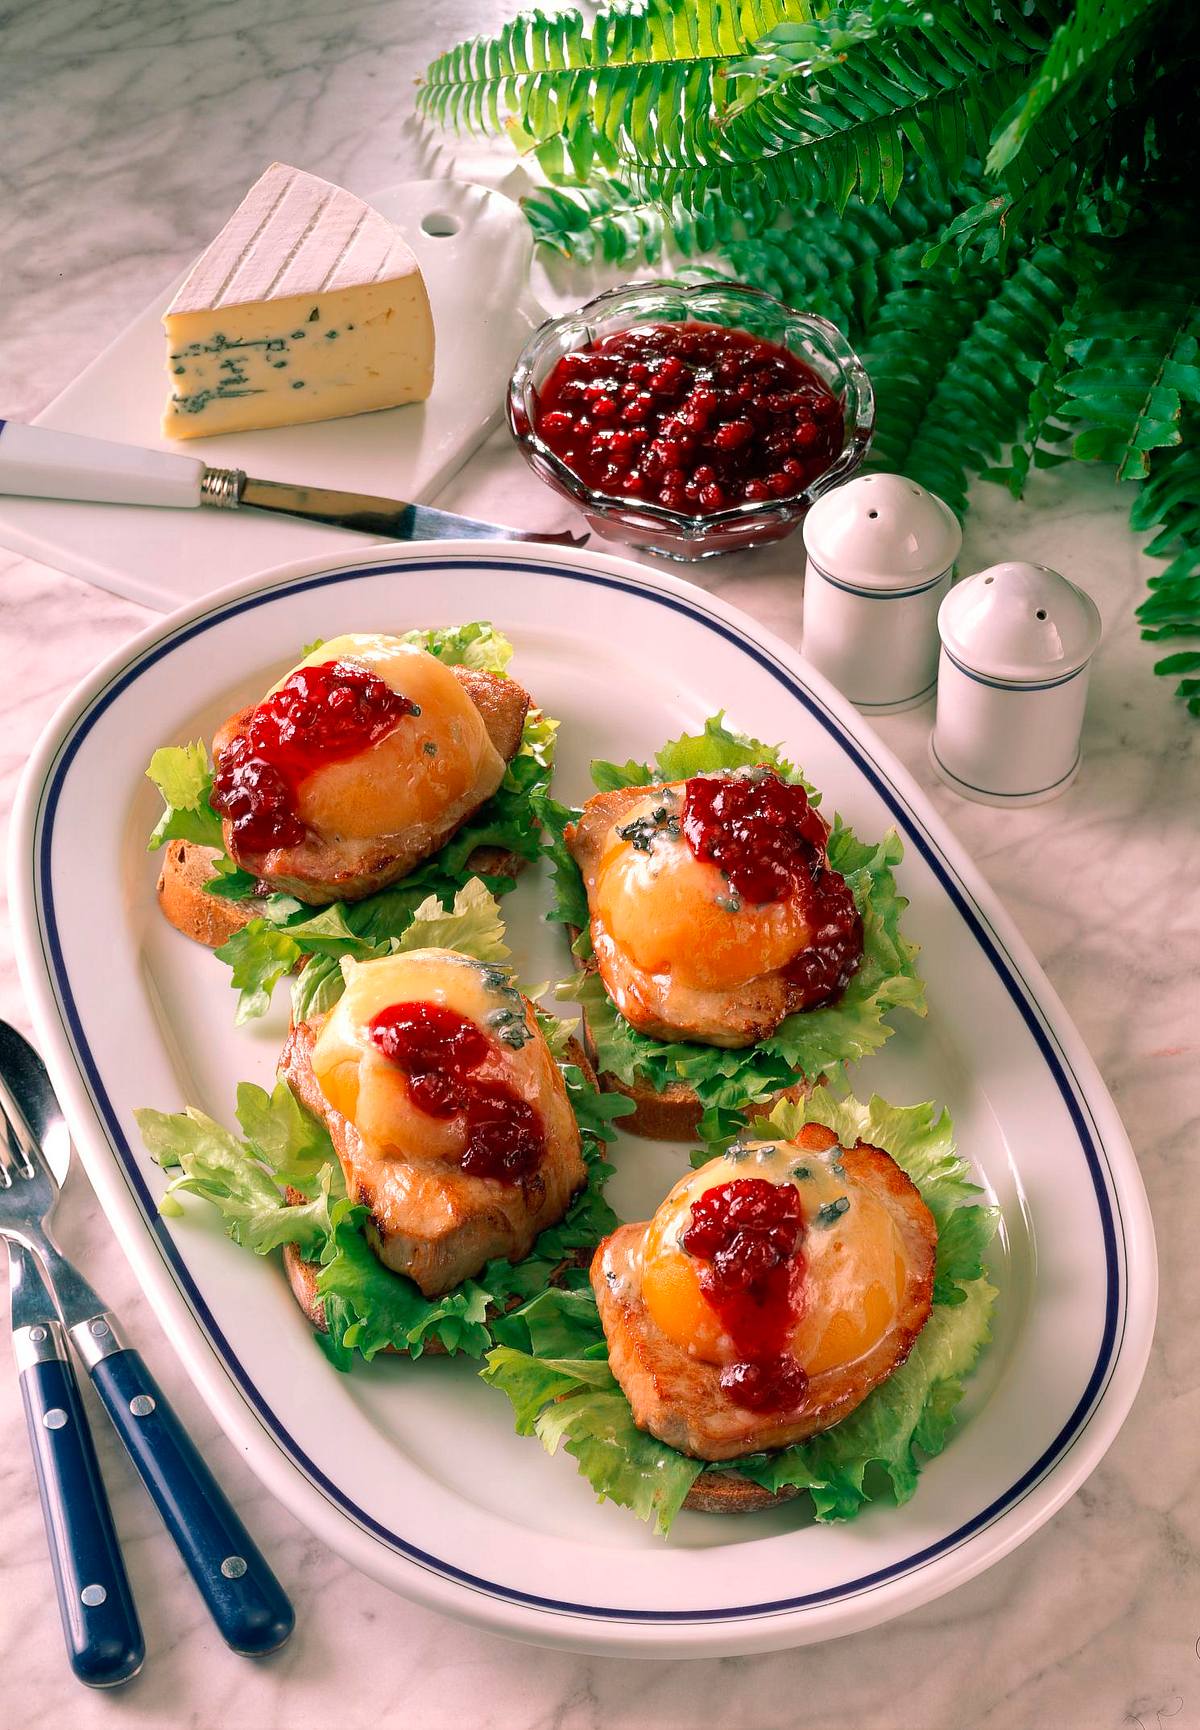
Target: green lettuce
x: 814, y: 1043
x: 551, y: 1356
x: 367, y: 1307
x: 286, y: 932
x: 282, y: 1146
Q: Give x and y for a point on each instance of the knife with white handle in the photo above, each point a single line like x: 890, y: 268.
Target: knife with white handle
x: 41, y: 463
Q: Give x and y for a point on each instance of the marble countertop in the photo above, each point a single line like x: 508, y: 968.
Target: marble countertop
x: 130, y: 131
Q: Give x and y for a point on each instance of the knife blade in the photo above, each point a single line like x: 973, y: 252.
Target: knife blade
x: 368, y: 515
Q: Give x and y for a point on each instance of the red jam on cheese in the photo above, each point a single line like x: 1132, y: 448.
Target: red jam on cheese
x: 318, y: 715
x: 764, y: 835
x: 695, y: 417
x: 748, y: 1231
x: 440, y: 1054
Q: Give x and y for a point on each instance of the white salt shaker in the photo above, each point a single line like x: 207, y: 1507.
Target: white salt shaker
x: 1017, y: 640
x: 881, y: 554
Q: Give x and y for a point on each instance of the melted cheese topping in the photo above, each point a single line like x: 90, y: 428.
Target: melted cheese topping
x: 371, y: 1092
x: 401, y: 783
x: 856, y: 1270
x: 672, y: 913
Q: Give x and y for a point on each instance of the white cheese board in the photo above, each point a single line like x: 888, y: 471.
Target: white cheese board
x: 473, y: 247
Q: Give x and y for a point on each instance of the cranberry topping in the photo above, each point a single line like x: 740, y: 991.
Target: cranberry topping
x: 440, y: 1052
x: 769, y: 842
x: 749, y: 1231
x: 760, y: 830
x: 692, y: 416
x: 318, y: 715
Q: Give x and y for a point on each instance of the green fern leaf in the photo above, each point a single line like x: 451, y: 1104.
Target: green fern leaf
x: 954, y: 360
x: 1087, y: 47
x: 1134, y: 356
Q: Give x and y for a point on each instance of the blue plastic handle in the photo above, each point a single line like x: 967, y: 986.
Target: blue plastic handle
x: 243, y: 1596
x: 100, y: 1622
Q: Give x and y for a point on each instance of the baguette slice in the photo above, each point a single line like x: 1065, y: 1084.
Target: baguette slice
x: 302, y: 1275
x: 675, y: 1113
x: 211, y: 920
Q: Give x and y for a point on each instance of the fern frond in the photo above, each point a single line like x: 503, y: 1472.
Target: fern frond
x: 837, y: 266
x: 942, y: 422
x: 580, y: 92
x: 1085, y: 51
x: 840, y: 105
x: 831, y: 154
x: 1135, y: 355
x: 1169, y: 502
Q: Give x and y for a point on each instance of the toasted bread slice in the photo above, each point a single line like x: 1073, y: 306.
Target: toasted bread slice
x: 211, y: 920
x: 731, y: 1493
x: 302, y: 1275
x: 675, y: 1113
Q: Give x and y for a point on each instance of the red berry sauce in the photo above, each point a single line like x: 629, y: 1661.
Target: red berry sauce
x: 318, y: 715
x: 692, y: 416
x: 440, y: 1053
x: 749, y: 1231
x: 768, y: 841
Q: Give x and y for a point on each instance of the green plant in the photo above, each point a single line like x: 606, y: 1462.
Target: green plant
x: 997, y: 199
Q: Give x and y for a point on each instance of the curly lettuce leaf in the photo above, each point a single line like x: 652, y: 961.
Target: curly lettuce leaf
x: 183, y: 775
x: 470, y: 922
x: 551, y: 1355
x: 717, y: 747
x: 367, y: 1307
x: 245, y: 1178
x: 478, y: 645
x: 286, y: 932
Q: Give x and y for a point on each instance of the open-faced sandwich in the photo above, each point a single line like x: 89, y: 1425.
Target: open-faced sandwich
x: 735, y: 947
x: 431, y: 1152
x: 800, y: 1309
x: 377, y: 770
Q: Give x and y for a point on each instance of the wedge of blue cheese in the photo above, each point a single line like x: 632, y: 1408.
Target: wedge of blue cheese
x: 308, y: 305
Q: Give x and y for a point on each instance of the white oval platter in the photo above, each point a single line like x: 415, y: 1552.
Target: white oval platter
x: 412, y: 1471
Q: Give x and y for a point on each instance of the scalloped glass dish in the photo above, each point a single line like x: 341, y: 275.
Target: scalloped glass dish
x: 683, y: 534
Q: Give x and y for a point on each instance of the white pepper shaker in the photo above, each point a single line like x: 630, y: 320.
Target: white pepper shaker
x: 1017, y: 641
x: 881, y: 554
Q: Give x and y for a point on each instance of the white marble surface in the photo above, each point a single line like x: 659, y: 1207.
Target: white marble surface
x: 130, y: 129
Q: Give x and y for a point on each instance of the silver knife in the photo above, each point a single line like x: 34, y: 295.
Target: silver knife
x: 42, y: 463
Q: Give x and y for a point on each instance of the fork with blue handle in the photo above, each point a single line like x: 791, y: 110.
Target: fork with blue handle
x: 51, y: 1303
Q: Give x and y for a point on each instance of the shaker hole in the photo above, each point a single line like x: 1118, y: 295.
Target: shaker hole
x: 440, y: 224
x: 1041, y: 613
x: 989, y: 580
x: 872, y: 513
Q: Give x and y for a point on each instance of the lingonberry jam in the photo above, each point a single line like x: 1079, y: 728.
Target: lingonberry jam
x: 696, y: 417
x: 440, y: 1053
x: 764, y: 835
x: 318, y: 715
x: 748, y: 1231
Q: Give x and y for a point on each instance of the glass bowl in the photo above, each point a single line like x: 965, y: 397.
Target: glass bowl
x: 657, y: 528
